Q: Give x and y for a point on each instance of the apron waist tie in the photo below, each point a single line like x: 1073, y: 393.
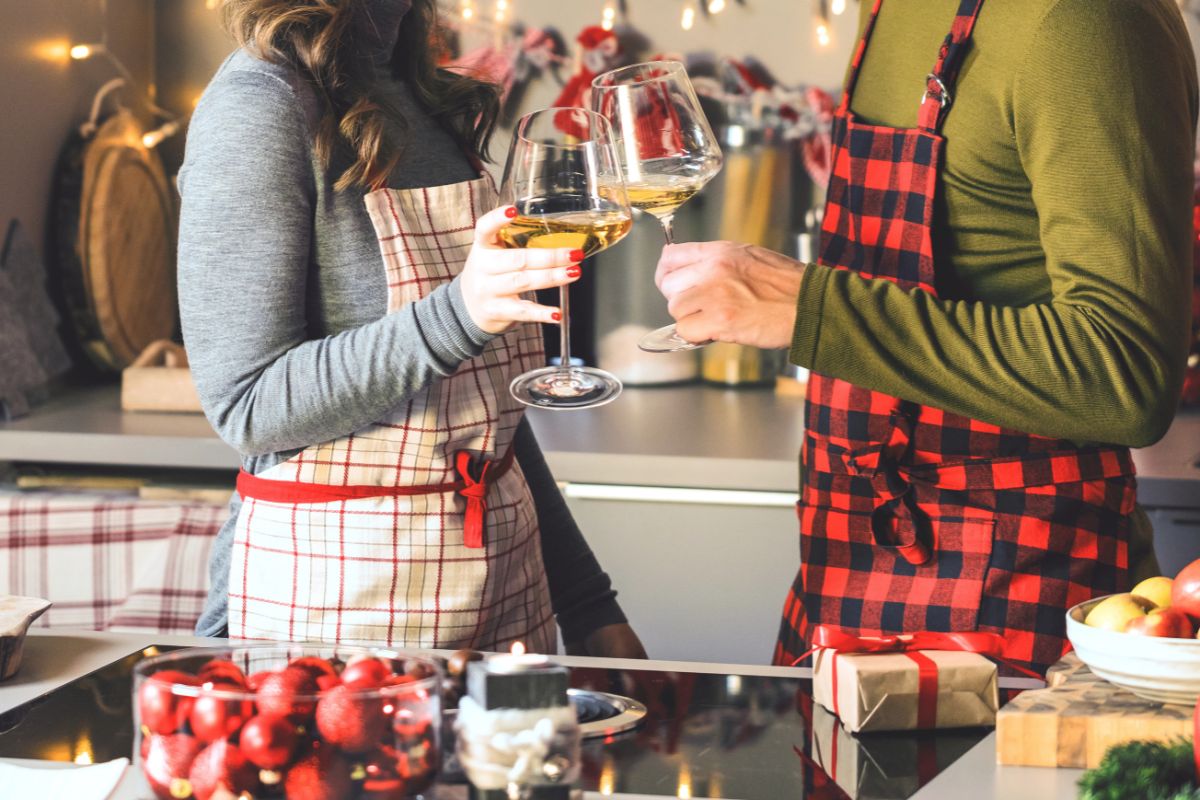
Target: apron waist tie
x: 472, y: 489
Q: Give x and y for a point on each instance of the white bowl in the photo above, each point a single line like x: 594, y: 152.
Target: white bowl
x: 1154, y: 667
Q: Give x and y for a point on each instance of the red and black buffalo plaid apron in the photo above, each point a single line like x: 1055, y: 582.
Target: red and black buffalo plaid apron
x: 418, y: 530
x: 913, y: 518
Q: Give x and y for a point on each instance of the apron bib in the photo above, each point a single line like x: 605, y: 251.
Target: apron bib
x: 913, y: 518
x: 418, y: 530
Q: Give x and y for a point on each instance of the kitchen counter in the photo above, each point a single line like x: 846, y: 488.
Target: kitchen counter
x: 689, y: 436
x: 54, y: 658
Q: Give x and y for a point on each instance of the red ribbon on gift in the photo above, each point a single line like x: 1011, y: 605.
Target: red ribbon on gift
x: 989, y: 645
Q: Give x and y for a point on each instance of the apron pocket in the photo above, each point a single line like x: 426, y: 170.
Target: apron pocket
x: 852, y: 582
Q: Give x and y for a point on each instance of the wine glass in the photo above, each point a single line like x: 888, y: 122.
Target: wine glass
x: 666, y: 149
x: 563, y: 178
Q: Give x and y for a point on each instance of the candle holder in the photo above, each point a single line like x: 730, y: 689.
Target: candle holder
x: 518, y: 735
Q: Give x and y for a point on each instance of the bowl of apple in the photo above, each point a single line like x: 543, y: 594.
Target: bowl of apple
x: 1144, y: 640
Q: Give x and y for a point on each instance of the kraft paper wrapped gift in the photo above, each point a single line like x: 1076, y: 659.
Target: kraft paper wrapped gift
x: 881, y: 691
x: 883, y: 766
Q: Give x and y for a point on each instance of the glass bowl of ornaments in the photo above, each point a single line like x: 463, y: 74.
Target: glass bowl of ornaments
x: 303, y: 722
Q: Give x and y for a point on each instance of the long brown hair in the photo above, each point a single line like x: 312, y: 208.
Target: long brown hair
x: 315, y: 37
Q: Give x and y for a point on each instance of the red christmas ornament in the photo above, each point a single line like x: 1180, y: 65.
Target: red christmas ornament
x: 268, y: 741
x: 288, y: 694
x: 254, y: 682
x: 218, y: 670
x: 159, y: 708
x: 381, y: 780
x: 221, y: 767
x: 214, y: 717
x: 351, y: 719
x: 167, y: 764
x: 366, y: 673
x: 317, y: 666
x: 323, y: 774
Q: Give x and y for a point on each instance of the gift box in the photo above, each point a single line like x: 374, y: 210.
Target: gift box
x: 896, y: 683
x: 883, y: 766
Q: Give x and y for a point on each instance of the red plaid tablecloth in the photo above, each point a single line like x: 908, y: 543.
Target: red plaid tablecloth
x: 108, y: 562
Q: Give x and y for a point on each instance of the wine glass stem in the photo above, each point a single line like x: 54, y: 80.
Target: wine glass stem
x: 564, y: 328
x: 668, y: 226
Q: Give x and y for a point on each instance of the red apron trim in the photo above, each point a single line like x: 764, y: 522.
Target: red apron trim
x: 473, y: 489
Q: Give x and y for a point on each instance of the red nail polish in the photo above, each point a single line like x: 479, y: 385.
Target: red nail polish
x: 510, y: 212
x: 556, y: 316
x: 577, y: 255
x: 574, y: 272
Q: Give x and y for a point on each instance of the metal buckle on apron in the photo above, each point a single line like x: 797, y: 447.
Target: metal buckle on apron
x: 937, y: 90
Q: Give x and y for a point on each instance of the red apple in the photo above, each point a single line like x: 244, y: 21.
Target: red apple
x: 1185, y: 592
x: 1169, y: 622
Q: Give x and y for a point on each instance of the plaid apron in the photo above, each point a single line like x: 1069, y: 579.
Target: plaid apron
x: 418, y: 530
x: 913, y: 518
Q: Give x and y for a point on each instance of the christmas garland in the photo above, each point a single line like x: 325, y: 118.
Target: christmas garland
x: 1145, y: 771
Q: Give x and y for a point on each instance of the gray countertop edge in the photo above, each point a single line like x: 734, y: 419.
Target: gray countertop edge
x: 691, y: 436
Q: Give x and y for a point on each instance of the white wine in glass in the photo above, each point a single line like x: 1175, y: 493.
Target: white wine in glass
x: 563, y: 178
x: 666, y: 148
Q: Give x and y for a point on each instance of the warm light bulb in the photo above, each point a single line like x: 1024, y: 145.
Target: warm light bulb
x: 685, y: 783
x: 211, y: 4
x: 608, y: 17
x: 688, y: 20
x: 838, y: 6
x: 716, y: 6
x: 518, y: 648
x: 154, y: 138
x: 468, y: 12
x: 81, y: 51
x: 607, y: 778
x: 823, y: 36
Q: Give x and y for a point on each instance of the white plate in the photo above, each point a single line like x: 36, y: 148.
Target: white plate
x: 1154, y: 667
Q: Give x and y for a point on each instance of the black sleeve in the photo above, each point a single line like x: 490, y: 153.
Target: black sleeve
x: 580, y: 591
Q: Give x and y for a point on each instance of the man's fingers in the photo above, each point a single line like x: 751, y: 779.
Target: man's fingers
x: 695, y: 328
x: 511, y: 308
x: 679, y: 256
x: 685, y: 304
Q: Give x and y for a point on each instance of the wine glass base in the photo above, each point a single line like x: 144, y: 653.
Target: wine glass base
x: 565, y: 388
x: 666, y: 340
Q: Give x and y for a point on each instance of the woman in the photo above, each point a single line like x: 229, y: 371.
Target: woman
x: 998, y: 314
x: 392, y: 491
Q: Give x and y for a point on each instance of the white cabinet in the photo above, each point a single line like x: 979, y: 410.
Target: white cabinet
x: 701, y: 574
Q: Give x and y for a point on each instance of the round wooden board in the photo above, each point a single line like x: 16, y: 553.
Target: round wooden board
x: 126, y: 246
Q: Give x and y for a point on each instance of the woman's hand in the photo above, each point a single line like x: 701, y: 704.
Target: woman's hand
x: 494, y: 278
x: 728, y: 292
x: 611, y: 641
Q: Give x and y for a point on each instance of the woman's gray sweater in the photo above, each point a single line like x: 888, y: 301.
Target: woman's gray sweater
x: 283, y: 299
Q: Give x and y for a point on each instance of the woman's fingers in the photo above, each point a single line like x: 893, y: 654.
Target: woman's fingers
x: 531, y: 259
x: 534, y: 279
x: 487, y: 227
x: 515, y: 310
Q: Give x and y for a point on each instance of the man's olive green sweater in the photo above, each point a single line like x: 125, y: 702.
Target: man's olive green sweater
x: 1063, y: 226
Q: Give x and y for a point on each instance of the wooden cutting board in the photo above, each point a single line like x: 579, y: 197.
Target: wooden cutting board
x: 1077, y: 718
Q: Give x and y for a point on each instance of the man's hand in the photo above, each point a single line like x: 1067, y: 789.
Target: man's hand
x: 611, y: 641
x: 728, y: 292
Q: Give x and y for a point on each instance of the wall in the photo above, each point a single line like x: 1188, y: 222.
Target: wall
x: 44, y: 93
x: 777, y: 32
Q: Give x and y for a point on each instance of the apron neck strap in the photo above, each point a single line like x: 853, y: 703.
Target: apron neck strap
x: 859, y: 54
x: 939, y: 85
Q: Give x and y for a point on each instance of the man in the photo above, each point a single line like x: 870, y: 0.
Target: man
x: 1000, y: 311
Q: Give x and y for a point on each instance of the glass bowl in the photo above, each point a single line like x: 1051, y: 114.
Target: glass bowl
x: 287, y: 721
